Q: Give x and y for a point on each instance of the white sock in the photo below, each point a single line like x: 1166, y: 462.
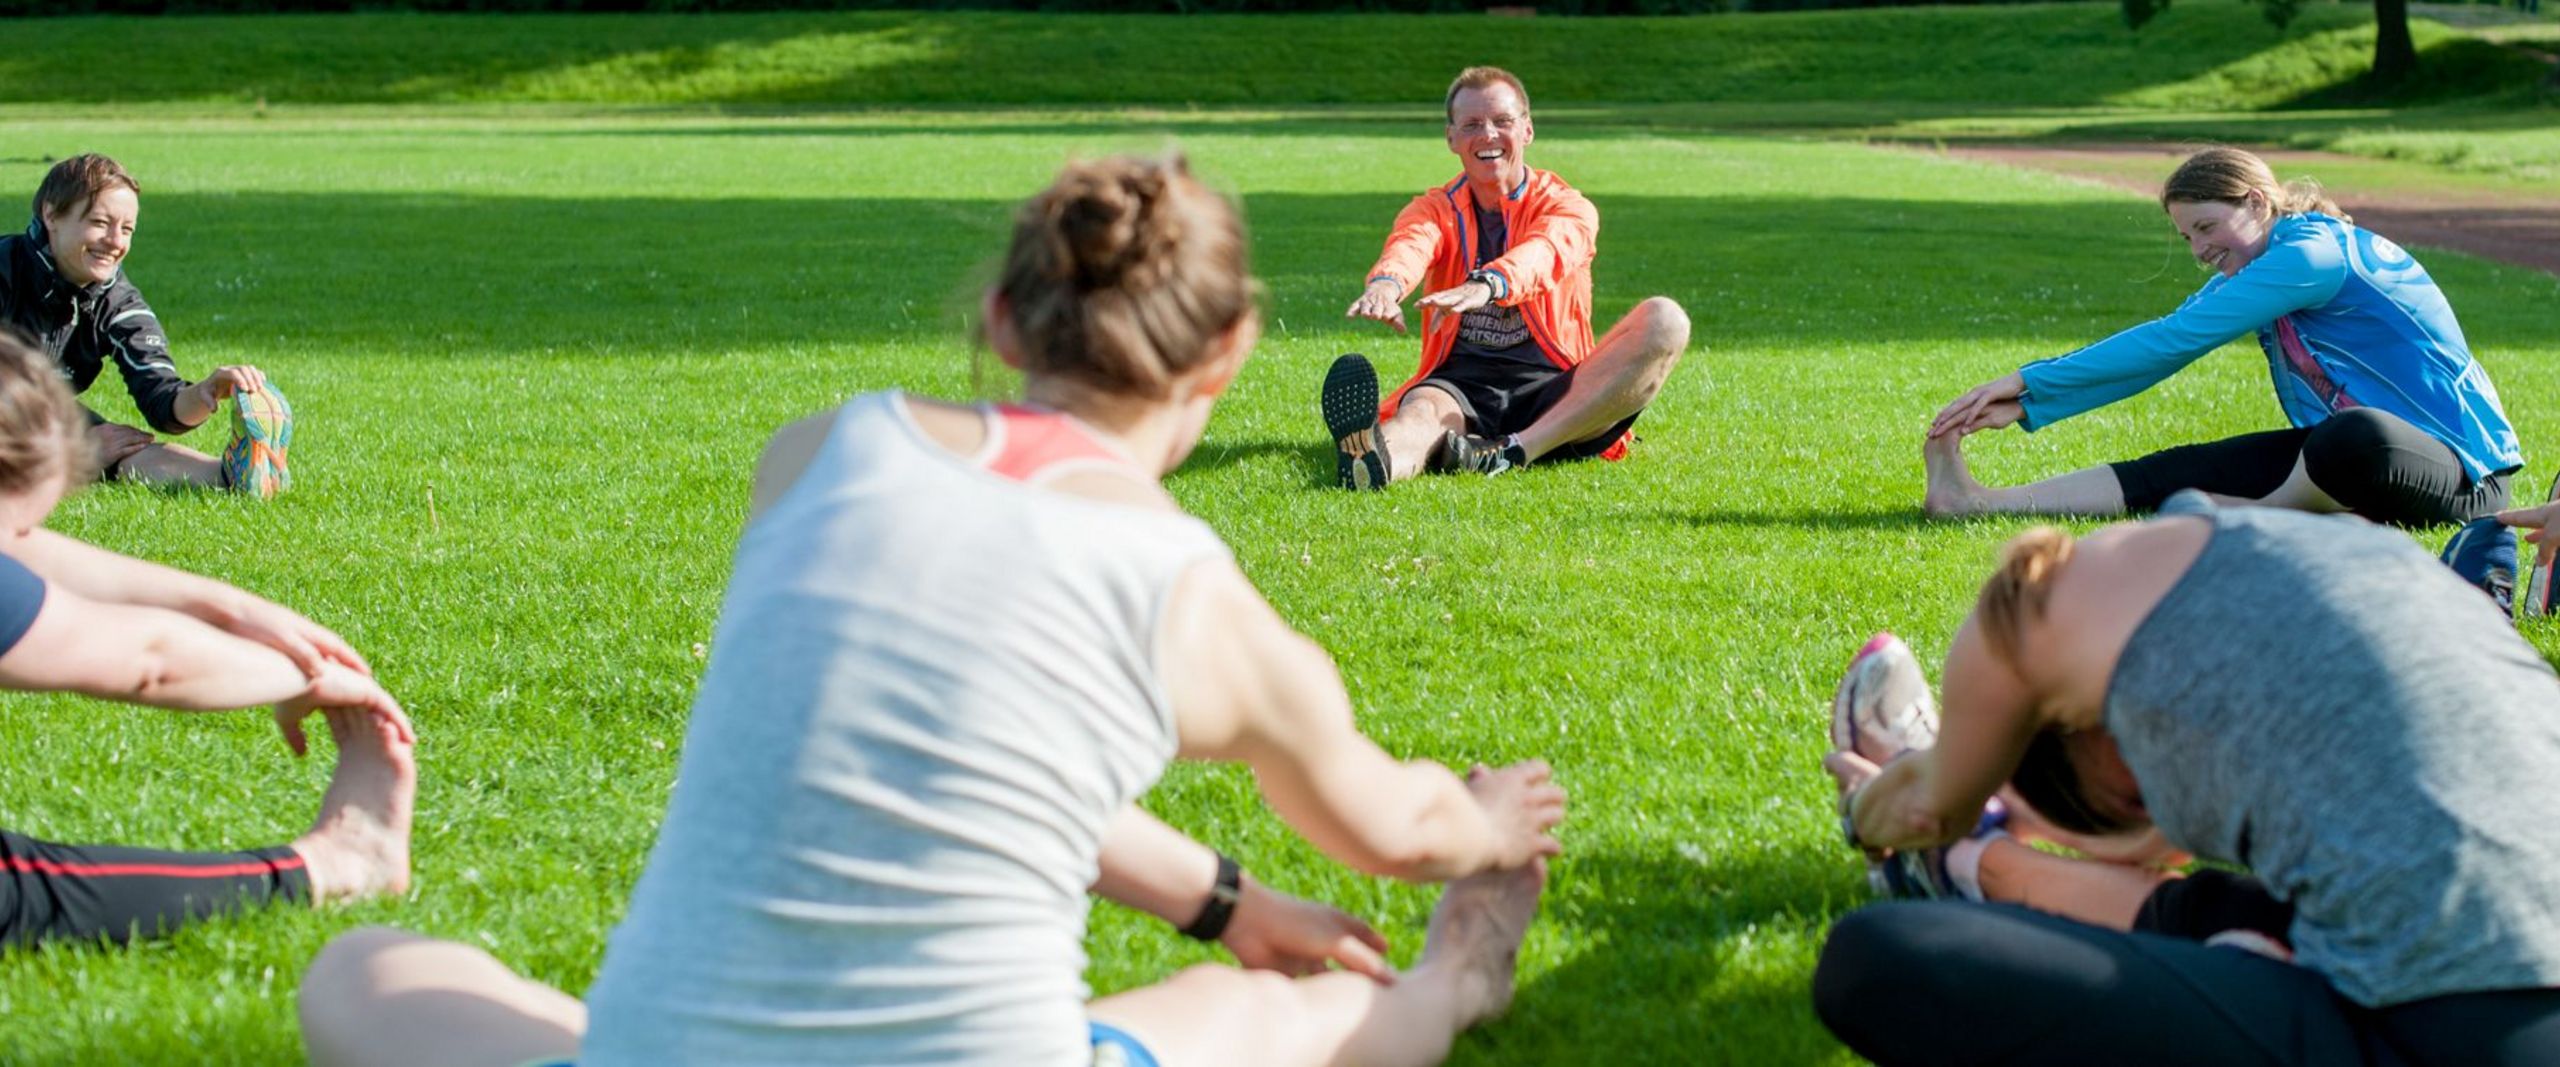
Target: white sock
x: 1964, y: 862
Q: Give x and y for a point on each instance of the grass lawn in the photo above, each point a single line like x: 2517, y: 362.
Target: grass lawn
x: 534, y: 357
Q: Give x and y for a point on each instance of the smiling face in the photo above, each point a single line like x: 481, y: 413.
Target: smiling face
x: 2224, y: 236
x: 88, y: 239
x: 1489, y: 129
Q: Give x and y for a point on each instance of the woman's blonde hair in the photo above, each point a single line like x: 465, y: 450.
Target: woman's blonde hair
x: 1121, y: 275
x: 2228, y: 175
x: 42, y: 429
x: 2016, y: 593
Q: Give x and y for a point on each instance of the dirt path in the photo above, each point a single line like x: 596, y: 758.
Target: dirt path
x: 2523, y: 230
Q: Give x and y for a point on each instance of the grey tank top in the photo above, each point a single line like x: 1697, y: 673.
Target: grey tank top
x: 2320, y: 701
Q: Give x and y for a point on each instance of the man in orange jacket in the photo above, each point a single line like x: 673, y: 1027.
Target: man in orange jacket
x: 1509, y: 374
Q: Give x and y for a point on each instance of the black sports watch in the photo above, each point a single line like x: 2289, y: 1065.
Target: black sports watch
x: 1214, y: 915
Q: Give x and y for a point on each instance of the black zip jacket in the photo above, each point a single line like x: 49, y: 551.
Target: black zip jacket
x: 85, y: 326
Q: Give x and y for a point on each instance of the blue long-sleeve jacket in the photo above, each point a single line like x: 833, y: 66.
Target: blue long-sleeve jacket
x: 2347, y: 319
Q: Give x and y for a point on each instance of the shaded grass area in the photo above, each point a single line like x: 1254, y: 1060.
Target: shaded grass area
x: 2219, y: 55
x: 535, y: 357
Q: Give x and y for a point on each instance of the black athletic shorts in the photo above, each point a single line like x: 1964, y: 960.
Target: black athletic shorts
x: 1501, y: 397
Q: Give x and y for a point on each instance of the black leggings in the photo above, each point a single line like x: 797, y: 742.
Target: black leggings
x: 51, y: 892
x: 1955, y: 982
x: 2375, y: 463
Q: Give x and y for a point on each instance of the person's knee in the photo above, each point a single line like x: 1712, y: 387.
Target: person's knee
x: 1870, y: 962
x: 1666, y: 327
x: 2354, y: 437
x: 340, y: 982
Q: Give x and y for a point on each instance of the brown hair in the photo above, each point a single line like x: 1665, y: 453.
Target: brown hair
x: 2228, y: 175
x: 1480, y: 78
x: 78, y: 180
x: 1121, y: 274
x: 41, y: 428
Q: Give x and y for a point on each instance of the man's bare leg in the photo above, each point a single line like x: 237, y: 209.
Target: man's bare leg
x: 1221, y: 1015
x: 1425, y: 413
x: 1621, y: 377
x: 1953, y: 493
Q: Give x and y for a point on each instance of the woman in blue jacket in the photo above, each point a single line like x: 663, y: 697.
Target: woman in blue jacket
x: 2392, y: 418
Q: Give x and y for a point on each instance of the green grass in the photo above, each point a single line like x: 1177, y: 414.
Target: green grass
x: 534, y: 357
x: 2201, y: 55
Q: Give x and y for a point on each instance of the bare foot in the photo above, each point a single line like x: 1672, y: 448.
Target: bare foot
x: 1477, y: 928
x: 1952, y: 491
x: 359, y: 846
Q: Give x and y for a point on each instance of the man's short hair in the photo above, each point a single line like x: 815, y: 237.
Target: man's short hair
x: 1482, y: 77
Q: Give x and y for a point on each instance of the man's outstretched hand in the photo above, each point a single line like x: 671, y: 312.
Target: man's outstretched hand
x: 1379, y: 302
x: 1465, y: 297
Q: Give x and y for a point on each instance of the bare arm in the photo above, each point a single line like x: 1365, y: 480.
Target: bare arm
x: 1154, y: 868
x: 154, y: 656
x: 1936, y: 795
x: 786, y: 457
x: 1247, y: 687
x: 109, y: 578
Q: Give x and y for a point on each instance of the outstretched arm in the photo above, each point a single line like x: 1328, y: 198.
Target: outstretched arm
x: 1154, y: 868
x: 109, y: 578
x: 1247, y: 687
x: 1411, y: 245
x: 158, y: 657
x: 2284, y: 279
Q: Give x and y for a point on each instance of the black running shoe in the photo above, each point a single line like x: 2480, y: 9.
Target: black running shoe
x: 1483, y: 455
x: 1351, y: 416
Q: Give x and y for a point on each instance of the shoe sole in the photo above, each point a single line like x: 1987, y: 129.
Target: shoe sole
x: 1350, y: 402
x: 261, y: 431
x: 1883, y: 707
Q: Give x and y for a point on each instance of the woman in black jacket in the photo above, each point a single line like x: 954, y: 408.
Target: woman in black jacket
x: 62, y: 283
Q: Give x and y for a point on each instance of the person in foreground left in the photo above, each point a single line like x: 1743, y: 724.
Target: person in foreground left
x: 80, y: 619
x: 958, y: 644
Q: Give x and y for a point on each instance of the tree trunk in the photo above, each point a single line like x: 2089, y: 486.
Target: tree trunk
x: 2394, y: 56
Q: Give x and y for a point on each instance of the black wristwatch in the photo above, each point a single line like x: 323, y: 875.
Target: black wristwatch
x: 1212, y: 922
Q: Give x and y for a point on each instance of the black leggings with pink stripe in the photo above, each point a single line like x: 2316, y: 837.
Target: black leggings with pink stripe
x: 51, y: 892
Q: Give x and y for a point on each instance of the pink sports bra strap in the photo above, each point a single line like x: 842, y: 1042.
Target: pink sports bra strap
x: 1035, y: 444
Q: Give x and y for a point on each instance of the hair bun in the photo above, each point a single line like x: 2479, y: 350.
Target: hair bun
x: 1113, y: 228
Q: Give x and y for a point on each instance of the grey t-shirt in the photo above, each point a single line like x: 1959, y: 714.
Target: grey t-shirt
x: 2321, y: 701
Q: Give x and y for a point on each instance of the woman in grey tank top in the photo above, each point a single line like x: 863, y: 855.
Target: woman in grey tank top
x: 2311, y: 700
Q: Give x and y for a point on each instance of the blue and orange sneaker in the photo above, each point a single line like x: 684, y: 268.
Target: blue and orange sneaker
x: 261, y: 430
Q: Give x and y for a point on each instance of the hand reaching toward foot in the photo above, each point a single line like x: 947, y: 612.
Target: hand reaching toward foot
x: 1273, y: 931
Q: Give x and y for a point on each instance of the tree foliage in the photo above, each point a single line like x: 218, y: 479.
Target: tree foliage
x: 2395, y: 56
